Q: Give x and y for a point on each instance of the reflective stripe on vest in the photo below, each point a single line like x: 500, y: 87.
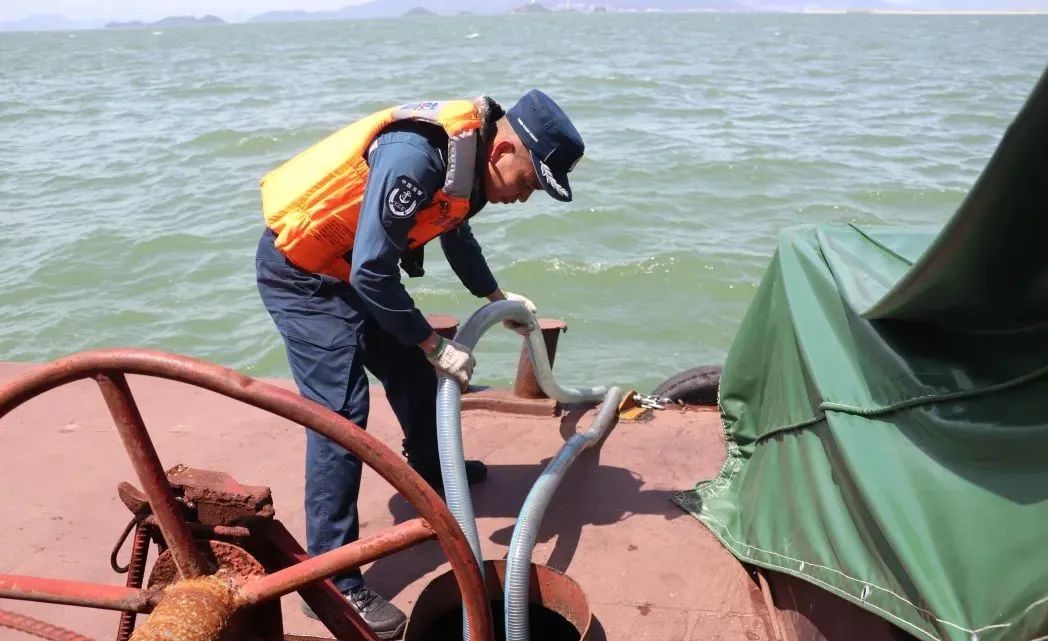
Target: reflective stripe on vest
x: 312, y: 201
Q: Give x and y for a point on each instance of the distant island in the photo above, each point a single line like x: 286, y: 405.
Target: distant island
x: 394, y: 8
x: 170, y: 21
x: 533, y: 7
x: 400, y: 8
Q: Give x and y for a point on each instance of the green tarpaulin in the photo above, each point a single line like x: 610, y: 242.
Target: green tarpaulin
x: 885, y: 406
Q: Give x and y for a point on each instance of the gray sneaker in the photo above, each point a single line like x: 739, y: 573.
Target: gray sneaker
x: 384, y: 618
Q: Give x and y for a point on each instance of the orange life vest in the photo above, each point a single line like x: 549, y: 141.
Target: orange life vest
x: 313, y: 200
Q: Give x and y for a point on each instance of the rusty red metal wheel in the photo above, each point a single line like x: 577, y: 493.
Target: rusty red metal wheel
x: 296, y: 572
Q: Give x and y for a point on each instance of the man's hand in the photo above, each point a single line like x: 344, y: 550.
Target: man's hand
x: 453, y: 359
x: 521, y: 328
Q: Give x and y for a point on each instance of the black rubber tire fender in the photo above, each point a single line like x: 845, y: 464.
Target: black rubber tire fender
x: 695, y: 386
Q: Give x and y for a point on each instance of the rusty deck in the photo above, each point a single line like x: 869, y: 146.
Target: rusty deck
x: 651, y: 571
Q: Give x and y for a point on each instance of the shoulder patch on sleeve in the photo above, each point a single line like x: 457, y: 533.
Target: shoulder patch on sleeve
x: 405, y: 197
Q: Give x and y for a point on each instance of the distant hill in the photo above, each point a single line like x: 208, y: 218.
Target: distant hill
x: 183, y: 21
x: 531, y: 7
x: 170, y: 22
x: 419, y: 11
x: 395, y: 8
x: 802, y: 5
x: 678, y: 5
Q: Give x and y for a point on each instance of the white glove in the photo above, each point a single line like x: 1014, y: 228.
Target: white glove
x: 521, y: 328
x: 453, y: 359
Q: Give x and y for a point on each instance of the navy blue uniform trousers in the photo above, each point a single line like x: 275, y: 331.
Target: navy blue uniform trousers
x: 331, y: 340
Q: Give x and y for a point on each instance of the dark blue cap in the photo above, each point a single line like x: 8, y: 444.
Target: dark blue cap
x: 555, y: 144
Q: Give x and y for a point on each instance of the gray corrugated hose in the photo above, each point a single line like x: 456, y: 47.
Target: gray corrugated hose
x: 518, y: 561
x: 449, y: 410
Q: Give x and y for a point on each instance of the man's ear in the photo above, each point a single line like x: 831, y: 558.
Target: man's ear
x: 500, y: 149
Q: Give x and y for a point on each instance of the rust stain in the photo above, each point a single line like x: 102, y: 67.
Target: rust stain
x: 190, y: 610
x: 644, y: 609
x: 218, y: 498
x: 37, y: 628
x: 227, y: 561
x: 136, y: 572
x: 632, y: 548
